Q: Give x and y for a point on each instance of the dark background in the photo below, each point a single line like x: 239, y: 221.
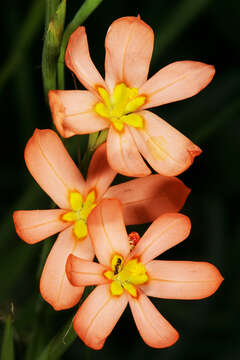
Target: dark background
x: 202, y: 30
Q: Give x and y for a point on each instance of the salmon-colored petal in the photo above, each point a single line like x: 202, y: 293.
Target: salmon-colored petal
x: 123, y: 155
x: 33, y: 226
x: 181, y: 279
x: 98, y: 315
x: 73, y: 112
x: 147, y: 198
x: 77, y: 59
x: 165, y: 232
x: 83, y: 273
x: 54, y: 286
x: 177, y: 81
x: 155, y: 330
x: 107, y: 230
x: 51, y: 166
x: 129, y: 46
x: 165, y: 148
x: 100, y: 174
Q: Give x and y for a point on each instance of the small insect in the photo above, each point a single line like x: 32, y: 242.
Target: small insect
x: 133, y: 237
x: 117, y: 266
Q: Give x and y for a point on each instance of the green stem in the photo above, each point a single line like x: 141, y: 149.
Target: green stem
x: 101, y: 138
x: 51, y: 48
x: 51, y: 7
x: 23, y: 41
x: 88, y: 154
x: 94, y: 140
x: 85, y: 10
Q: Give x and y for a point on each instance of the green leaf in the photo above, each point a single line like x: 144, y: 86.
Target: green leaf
x: 59, y: 344
x: 85, y: 10
x: 7, y: 351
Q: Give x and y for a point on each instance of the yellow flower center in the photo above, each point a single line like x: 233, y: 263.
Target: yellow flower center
x: 80, y: 212
x: 126, y: 276
x: 119, y: 107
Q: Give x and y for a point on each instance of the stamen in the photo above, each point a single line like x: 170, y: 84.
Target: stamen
x: 119, y: 107
x: 80, y: 212
x: 127, y: 276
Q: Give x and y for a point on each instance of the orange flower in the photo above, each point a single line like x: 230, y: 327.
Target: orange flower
x: 53, y: 169
x: 120, y: 102
x: 125, y: 276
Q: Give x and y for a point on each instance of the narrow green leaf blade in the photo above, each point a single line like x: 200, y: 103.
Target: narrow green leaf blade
x: 7, y: 351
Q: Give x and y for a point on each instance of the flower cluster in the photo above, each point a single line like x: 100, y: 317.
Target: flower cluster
x: 91, y: 214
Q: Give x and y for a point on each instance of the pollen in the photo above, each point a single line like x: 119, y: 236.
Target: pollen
x: 80, y: 210
x: 126, y: 277
x: 120, y: 107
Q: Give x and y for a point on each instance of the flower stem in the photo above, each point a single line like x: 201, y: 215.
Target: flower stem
x: 85, y: 10
x: 51, y: 8
x: 101, y: 138
x: 51, y: 48
x: 94, y: 140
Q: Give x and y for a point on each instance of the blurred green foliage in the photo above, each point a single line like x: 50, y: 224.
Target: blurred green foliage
x: 203, y: 30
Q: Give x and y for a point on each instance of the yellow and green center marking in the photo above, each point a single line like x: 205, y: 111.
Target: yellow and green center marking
x: 119, y: 107
x: 126, y: 276
x: 80, y: 211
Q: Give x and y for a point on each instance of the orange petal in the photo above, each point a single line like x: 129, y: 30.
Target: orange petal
x: 165, y: 232
x: 123, y: 155
x: 77, y: 59
x: 165, y: 148
x: 52, y: 167
x: 152, y: 326
x: 54, y: 285
x: 107, y: 231
x: 100, y: 174
x: 98, y: 315
x: 33, y: 226
x: 146, y: 198
x: 181, y: 279
x: 129, y: 46
x: 73, y: 112
x: 177, y: 81
x: 83, y: 273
